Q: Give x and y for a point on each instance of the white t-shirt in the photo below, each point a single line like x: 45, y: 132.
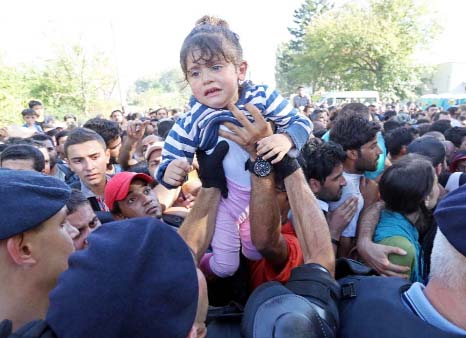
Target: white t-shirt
x: 351, y: 189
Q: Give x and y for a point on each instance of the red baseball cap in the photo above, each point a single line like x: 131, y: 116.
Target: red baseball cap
x: 118, y: 186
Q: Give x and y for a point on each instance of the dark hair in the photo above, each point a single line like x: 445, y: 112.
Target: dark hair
x: 315, y: 114
x: 452, y: 110
x: 70, y: 116
x: 61, y: 134
x: 82, y: 135
x: 429, y: 147
x: 391, y: 125
x: 405, y: 185
x: 140, y: 167
x: 353, y: 109
x: 164, y: 126
x: 116, y: 111
x: 109, y: 130
x: 41, y: 138
x: 440, y: 125
x: 423, y: 121
x: 52, y: 132
x: 28, y: 112
x: 389, y: 114
x: 318, y: 159
x: 76, y: 200
x: 34, y: 103
x: 24, y: 152
x: 213, y: 39
x: 397, y: 138
x: 455, y: 135
x: 352, y: 132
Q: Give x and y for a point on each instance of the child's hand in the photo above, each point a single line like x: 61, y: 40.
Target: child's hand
x: 276, y: 144
x: 176, y: 172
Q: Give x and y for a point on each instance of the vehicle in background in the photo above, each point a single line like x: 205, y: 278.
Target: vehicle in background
x: 443, y: 100
x: 337, y: 98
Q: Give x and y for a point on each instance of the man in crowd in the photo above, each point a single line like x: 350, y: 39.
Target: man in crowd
x: 110, y: 131
x: 301, y: 100
x: 322, y: 165
x: 35, y: 242
x: 22, y: 157
x: 88, y: 157
x: 391, y: 307
x: 81, y: 216
x: 397, y: 142
x: 358, y: 138
x: 130, y: 195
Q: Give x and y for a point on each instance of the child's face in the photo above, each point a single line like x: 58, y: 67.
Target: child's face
x: 215, y: 84
x: 30, y: 119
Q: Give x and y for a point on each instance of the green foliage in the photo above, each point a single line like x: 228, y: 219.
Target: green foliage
x: 166, y: 89
x: 75, y: 82
x: 302, y: 17
x: 369, y: 47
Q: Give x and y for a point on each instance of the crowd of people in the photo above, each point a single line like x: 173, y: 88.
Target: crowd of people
x: 245, y: 216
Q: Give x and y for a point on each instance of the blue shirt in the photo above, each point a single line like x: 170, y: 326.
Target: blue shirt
x: 416, y: 300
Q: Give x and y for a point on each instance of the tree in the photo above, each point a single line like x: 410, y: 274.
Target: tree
x: 76, y: 81
x: 302, y: 17
x: 370, y: 47
x: 165, y: 89
x: 13, y: 93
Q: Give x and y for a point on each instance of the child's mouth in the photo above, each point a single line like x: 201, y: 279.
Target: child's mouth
x: 211, y: 91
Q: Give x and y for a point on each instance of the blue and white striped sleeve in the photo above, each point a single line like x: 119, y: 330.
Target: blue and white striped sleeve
x: 179, y: 144
x: 286, y: 118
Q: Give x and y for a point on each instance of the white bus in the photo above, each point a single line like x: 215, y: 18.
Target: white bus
x: 338, y: 98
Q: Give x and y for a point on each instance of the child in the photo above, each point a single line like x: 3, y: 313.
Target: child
x: 211, y: 59
x: 30, y: 117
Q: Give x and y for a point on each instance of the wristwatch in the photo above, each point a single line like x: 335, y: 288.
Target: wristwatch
x: 259, y: 167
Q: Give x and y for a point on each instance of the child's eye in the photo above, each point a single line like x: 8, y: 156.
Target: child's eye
x: 216, y: 67
x: 195, y: 73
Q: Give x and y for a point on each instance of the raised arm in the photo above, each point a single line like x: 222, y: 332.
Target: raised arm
x: 309, y: 222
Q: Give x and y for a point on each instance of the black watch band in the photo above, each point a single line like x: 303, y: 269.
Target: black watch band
x: 286, y: 166
x: 260, y: 167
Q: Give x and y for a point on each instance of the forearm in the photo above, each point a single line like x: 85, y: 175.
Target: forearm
x: 166, y: 196
x: 264, y: 218
x: 309, y: 223
x: 368, y: 221
x: 126, y: 153
x: 198, y: 227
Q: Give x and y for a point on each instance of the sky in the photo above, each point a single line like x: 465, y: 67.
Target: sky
x: 144, y: 36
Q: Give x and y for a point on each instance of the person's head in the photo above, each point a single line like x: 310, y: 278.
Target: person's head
x: 408, y: 183
x: 397, y: 141
x: 81, y: 216
x: 358, y: 137
x: 444, y: 115
x: 22, y: 157
x: 47, y: 142
x: 458, y: 162
x: 36, y: 106
x: 151, y: 269
x: 153, y: 156
x: 29, y: 116
x: 431, y: 148
x: 300, y: 91
x: 448, y: 259
x: 164, y: 126
x: 389, y: 115
x: 319, y: 115
x: 148, y: 141
x: 457, y: 135
x: 440, y: 126
x: 322, y: 165
x: 354, y: 109
x: 87, y: 156
x: 391, y: 125
x: 130, y: 195
x: 211, y: 58
x: 161, y: 113
x: 110, y: 132
x: 60, y: 139
x: 431, y: 110
x: 117, y: 116
x: 453, y: 111
x: 35, y: 239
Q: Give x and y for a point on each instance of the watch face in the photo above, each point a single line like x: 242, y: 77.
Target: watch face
x: 262, y: 168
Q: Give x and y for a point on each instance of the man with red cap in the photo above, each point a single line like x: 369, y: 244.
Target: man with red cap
x: 130, y: 195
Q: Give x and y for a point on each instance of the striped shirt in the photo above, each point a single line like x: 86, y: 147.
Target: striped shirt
x: 198, y: 128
